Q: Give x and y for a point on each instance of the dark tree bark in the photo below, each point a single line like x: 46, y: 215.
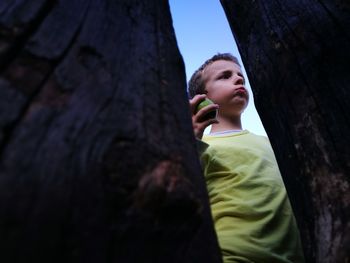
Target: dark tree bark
x: 297, y: 55
x: 98, y: 161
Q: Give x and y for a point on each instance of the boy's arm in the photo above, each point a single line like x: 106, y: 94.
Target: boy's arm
x: 201, y: 146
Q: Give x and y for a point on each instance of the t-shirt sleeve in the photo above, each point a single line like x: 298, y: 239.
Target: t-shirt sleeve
x: 201, y: 146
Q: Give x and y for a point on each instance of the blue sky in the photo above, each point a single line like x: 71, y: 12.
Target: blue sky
x: 202, y: 30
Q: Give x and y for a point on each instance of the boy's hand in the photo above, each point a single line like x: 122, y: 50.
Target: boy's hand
x: 199, y: 122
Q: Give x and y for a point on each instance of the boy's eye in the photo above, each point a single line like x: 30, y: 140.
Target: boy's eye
x: 225, y: 76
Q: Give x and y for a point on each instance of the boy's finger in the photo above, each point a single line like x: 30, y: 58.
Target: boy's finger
x: 195, y: 101
x: 206, y: 123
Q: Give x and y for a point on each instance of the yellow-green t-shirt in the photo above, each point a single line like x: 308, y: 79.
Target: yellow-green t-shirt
x: 253, y: 218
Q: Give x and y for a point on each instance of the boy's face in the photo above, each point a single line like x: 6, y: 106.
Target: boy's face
x: 224, y: 83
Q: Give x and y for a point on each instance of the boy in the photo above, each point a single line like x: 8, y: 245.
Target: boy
x: 251, y: 211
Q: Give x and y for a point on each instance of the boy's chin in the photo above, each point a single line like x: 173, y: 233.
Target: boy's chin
x: 239, y: 105
x: 240, y: 97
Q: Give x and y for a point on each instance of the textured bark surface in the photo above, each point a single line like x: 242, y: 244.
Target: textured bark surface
x: 297, y: 55
x: 98, y: 161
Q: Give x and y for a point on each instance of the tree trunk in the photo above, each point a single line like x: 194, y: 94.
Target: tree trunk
x: 98, y: 161
x: 297, y: 55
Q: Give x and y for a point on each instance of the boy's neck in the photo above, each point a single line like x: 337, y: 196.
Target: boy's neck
x: 227, y: 124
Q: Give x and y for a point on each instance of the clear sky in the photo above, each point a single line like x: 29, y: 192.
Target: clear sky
x: 202, y: 30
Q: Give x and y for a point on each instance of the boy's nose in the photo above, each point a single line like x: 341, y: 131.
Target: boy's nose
x: 238, y: 81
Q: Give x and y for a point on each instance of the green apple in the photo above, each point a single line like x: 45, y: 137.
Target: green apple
x: 210, y: 115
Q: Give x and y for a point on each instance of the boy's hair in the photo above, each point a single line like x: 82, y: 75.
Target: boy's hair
x: 196, y: 83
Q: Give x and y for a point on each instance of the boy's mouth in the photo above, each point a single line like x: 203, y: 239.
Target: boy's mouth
x: 241, y: 90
